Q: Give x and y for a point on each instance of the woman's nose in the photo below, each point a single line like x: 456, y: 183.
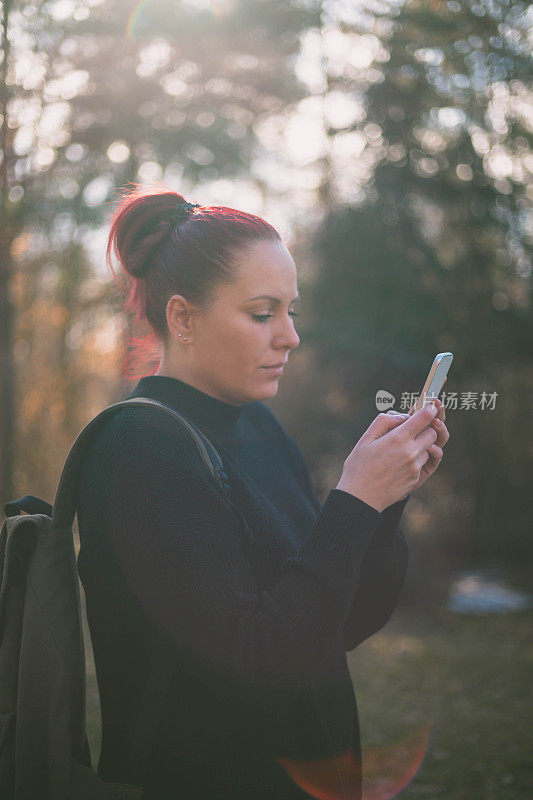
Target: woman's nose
x: 295, y: 339
x: 289, y: 336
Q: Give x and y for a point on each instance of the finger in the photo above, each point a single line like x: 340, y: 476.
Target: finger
x: 440, y: 413
x: 426, y: 438
x: 430, y: 459
x: 422, y: 459
x: 442, y: 432
x: 419, y: 420
x: 380, y: 426
x: 393, y: 421
x: 440, y: 405
x: 435, y: 454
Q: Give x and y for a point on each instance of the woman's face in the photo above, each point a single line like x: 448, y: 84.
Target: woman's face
x: 232, y: 342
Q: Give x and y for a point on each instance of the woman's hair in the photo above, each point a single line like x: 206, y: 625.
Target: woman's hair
x: 162, y: 256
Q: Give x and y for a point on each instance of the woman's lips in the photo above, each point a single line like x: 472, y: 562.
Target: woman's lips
x: 274, y: 370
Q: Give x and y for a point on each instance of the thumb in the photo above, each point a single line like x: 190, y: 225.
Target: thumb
x: 382, y: 424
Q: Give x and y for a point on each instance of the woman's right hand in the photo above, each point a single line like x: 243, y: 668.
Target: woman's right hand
x: 385, y: 463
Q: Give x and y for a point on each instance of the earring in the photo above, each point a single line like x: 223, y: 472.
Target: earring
x: 184, y: 338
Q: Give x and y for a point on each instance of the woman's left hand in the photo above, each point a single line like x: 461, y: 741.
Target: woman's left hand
x: 435, y: 450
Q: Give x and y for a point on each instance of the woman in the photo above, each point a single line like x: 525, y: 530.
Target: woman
x: 261, y: 612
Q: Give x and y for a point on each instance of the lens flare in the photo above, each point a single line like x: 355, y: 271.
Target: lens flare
x: 388, y: 769
x: 136, y: 18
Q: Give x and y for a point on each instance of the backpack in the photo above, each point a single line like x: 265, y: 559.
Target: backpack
x: 44, y: 750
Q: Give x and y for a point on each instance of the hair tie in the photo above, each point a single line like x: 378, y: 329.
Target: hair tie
x: 182, y: 210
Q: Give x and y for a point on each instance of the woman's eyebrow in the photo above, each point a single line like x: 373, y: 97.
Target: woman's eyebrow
x: 269, y: 297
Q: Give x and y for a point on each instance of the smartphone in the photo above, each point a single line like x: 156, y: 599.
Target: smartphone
x: 435, y: 380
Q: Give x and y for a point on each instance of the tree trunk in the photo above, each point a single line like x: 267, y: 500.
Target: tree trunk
x: 6, y: 309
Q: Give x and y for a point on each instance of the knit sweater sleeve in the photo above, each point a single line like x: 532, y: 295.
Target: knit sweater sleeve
x: 382, y: 579
x: 180, y: 546
x: 383, y: 569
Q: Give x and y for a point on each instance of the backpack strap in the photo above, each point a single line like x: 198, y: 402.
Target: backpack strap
x: 166, y: 657
x: 64, y: 508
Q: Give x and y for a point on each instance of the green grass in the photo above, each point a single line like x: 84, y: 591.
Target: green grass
x: 468, y: 677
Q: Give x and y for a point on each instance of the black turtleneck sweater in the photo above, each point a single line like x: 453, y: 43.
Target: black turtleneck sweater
x: 261, y: 611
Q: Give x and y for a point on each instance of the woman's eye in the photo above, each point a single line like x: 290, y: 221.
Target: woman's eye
x: 264, y: 317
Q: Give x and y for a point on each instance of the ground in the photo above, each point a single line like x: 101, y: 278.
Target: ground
x: 444, y: 707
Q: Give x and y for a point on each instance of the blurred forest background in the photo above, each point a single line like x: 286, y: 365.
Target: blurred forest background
x: 389, y: 141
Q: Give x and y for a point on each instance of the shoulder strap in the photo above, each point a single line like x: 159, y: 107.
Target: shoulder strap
x: 165, y: 660
x: 65, y: 501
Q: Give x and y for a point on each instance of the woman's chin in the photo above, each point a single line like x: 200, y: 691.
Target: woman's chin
x: 267, y: 388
